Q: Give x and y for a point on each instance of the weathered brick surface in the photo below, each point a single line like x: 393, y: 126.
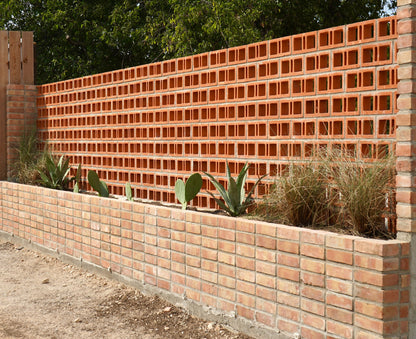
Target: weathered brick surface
x: 319, y: 284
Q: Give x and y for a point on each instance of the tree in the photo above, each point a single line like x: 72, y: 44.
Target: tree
x: 76, y: 38
x: 80, y: 37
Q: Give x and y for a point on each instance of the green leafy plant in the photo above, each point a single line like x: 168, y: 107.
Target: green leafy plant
x: 98, y: 185
x: 186, y: 192
x: 29, y: 159
x: 235, y: 200
x: 129, y: 194
x: 77, y: 179
x: 335, y: 189
x: 365, y: 191
x: 56, y: 173
x: 298, y: 197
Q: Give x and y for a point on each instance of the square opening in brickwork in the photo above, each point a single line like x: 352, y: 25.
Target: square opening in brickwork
x: 273, y: 109
x: 323, y: 128
x: 352, y: 58
x: 297, y: 107
x: 338, y: 59
x: 310, y: 106
x: 285, y: 67
x: 324, y: 39
x: 310, y: 63
x: 352, y: 104
x: 367, y: 78
x: 284, y: 109
x: 297, y: 129
x: 297, y: 43
x: 336, y: 82
x: 310, y: 41
x: 310, y: 128
x: 284, y: 87
x: 297, y: 65
x: 296, y: 86
x: 352, y: 80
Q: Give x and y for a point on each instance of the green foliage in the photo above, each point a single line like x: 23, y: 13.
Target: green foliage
x: 77, y: 179
x: 364, y: 189
x: 334, y: 189
x: 77, y: 38
x: 186, y: 192
x: 56, y: 174
x: 99, y: 186
x: 235, y: 200
x: 129, y: 194
x: 29, y: 159
x: 298, y: 197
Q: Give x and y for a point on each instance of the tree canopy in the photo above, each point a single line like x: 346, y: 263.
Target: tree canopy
x: 81, y: 37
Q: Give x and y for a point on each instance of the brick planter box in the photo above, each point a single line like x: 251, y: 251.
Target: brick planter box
x: 262, y: 278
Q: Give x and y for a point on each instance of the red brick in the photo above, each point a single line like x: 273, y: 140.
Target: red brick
x: 339, y: 256
x: 288, y: 313
x: 338, y: 314
x: 309, y: 333
x: 313, y: 293
x: 376, y: 310
x: 377, y: 279
x: 288, y: 246
x: 313, y: 321
x: 266, y: 242
x: 266, y: 319
x: 312, y: 265
x: 342, y: 330
x: 342, y: 272
x: 288, y: 273
x: 375, y: 325
x: 339, y: 300
x: 312, y: 251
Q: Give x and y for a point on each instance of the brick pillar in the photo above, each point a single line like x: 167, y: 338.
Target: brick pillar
x: 21, y: 117
x: 406, y: 140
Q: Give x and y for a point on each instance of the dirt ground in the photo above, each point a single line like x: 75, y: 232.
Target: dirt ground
x: 41, y: 297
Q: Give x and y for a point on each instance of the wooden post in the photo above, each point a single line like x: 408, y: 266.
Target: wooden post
x: 16, y: 68
x: 4, y: 80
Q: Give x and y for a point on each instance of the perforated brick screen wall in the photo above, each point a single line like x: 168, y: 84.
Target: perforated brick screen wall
x: 266, y: 103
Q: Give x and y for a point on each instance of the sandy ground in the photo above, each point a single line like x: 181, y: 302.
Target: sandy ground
x: 41, y: 297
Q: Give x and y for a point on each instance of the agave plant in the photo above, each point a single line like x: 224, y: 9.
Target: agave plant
x: 97, y: 184
x: 56, y: 173
x: 129, y: 194
x: 77, y: 179
x: 186, y: 192
x: 235, y: 199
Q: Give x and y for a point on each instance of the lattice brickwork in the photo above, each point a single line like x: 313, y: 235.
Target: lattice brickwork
x: 266, y: 103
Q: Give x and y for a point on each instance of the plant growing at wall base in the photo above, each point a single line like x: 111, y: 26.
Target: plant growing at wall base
x: 298, y: 197
x: 235, y: 199
x: 98, y: 185
x: 129, y: 194
x: 77, y: 179
x: 56, y: 172
x: 25, y: 167
x: 366, y: 192
x: 186, y: 192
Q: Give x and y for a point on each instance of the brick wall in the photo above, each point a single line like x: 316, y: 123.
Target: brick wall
x: 266, y: 103
x: 279, y: 278
x: 21, y: 118
x: 16, y: 68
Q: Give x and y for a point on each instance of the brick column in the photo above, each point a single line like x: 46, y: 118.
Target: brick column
x: 21, y: 117
x: 406, y: 140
